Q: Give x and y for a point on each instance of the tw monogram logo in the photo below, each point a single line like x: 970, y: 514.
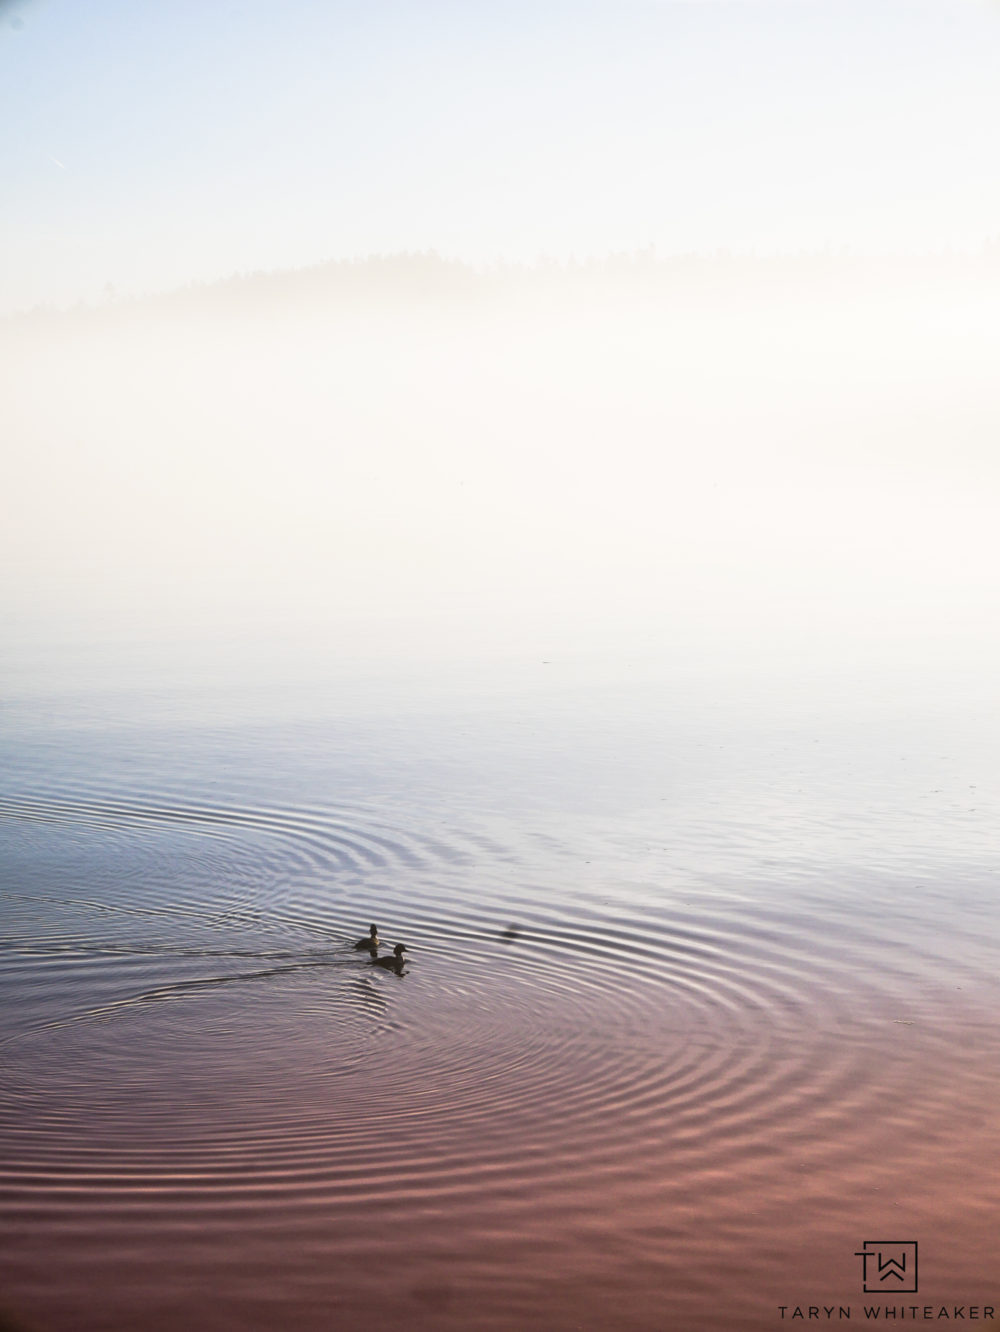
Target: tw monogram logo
x: 889, y: 1266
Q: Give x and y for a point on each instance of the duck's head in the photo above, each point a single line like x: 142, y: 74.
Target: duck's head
x: 398, y: 951
x: 373, y: 931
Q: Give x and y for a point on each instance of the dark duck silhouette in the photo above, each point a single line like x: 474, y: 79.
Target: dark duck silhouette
x: 394, y: 963
x: 371, y: 942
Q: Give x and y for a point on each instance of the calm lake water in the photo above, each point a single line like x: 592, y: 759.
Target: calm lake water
x: 701, y: 995
x: 630, y: 654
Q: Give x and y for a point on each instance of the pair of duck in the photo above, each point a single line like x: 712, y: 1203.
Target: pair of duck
x: 371, y: 943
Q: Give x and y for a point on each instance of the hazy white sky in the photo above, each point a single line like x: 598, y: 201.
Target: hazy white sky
x: 797, y: 469
x: 148, y: 144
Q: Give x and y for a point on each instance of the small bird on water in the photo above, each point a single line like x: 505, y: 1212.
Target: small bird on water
x: 394, y: 963
x: 371, y: 942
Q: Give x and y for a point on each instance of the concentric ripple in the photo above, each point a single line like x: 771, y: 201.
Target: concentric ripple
x: 195, y: 1027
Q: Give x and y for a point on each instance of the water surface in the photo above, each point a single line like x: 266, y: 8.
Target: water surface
x: 700, y: 996
x: 626, y: 646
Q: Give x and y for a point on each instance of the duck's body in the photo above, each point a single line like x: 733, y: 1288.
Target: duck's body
x: 371, y: 942
x: 394, y: 963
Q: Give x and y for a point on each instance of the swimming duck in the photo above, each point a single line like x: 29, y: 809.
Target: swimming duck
x: 394, y: 963
x: 371, y: 942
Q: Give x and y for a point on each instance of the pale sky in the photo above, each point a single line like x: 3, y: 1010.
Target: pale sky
x: 148, y: 145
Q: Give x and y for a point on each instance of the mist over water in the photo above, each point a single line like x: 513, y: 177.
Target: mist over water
x: 741, y: 463
x: 623, y: 640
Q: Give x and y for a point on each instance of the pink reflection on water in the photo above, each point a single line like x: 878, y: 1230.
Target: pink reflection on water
x: 344, y: 1203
